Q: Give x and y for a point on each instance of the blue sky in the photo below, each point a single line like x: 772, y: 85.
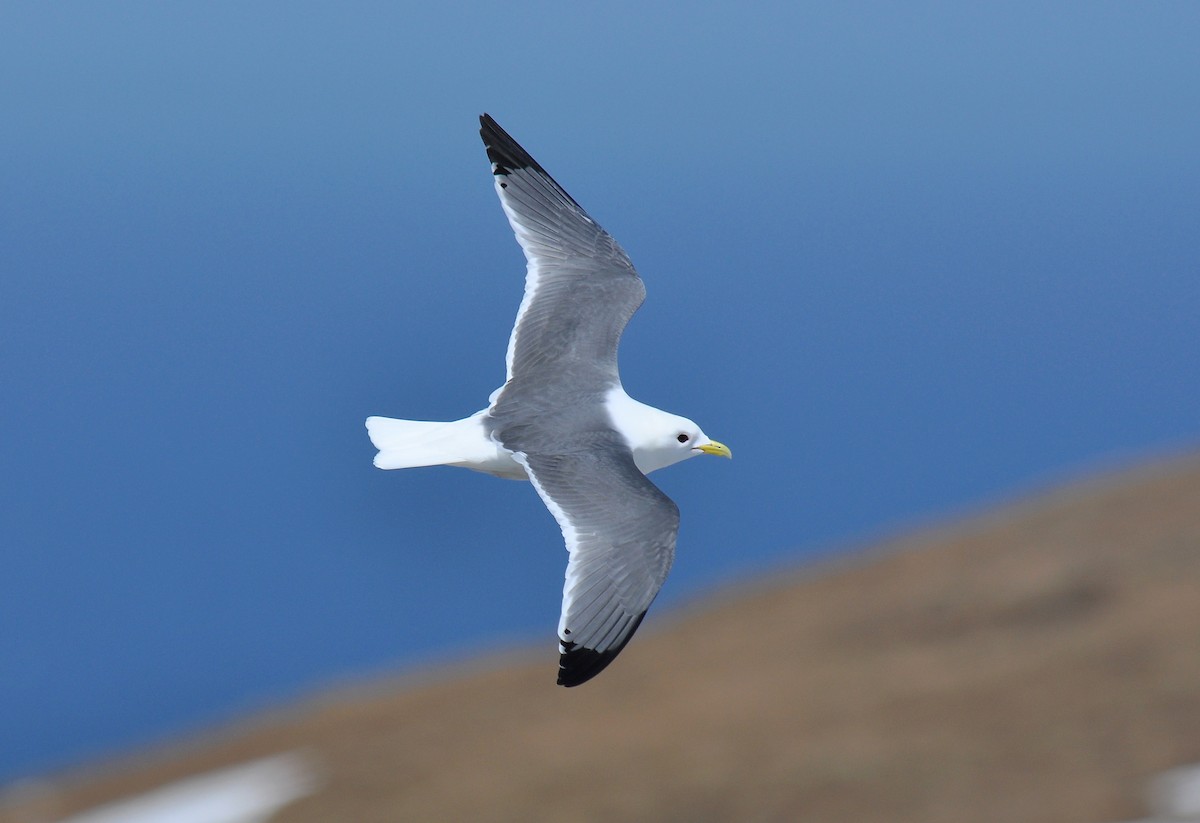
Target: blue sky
x: 904, y: 259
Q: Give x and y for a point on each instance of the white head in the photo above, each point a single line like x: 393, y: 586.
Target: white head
x: 659, y: 439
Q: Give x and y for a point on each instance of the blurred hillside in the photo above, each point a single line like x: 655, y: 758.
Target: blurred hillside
x: 1036, y: 663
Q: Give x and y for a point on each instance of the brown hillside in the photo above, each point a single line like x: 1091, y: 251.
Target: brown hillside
x: 1038, y: 663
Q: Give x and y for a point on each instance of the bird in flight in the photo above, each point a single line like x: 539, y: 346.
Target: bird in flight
x: 562, y: 419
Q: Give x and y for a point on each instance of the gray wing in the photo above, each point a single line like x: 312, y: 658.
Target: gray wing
x: 580, y: 287
x: 580, y: 291
x: 620, y: 530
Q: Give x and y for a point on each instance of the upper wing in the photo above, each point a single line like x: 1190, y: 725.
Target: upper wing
x: 580, y: 287
x: 620, y: 530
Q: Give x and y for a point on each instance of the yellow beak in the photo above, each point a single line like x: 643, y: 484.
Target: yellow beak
x: 713, y: 447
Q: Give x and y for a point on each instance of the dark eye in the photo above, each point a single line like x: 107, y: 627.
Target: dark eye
x: 683, y: 438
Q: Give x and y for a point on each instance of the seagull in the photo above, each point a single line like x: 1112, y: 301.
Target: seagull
x: 562, y: 419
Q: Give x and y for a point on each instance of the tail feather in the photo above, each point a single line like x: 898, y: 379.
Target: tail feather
x: 405, y: 444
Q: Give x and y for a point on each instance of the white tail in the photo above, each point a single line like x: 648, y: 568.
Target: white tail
x: 405, y: 444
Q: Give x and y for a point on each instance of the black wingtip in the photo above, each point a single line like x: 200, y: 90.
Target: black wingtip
x: 505, y: 153
x: 578, y: 665
x: 507, y: 156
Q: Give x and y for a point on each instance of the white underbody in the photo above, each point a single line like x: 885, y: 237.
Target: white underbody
x: 403, y: 444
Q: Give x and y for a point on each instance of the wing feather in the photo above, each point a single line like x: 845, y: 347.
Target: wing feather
x: 580, y: 286
x: 620, y: 530
x: 580, y: 291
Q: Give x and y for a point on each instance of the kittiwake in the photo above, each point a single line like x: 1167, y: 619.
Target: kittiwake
x: 562, y: 419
